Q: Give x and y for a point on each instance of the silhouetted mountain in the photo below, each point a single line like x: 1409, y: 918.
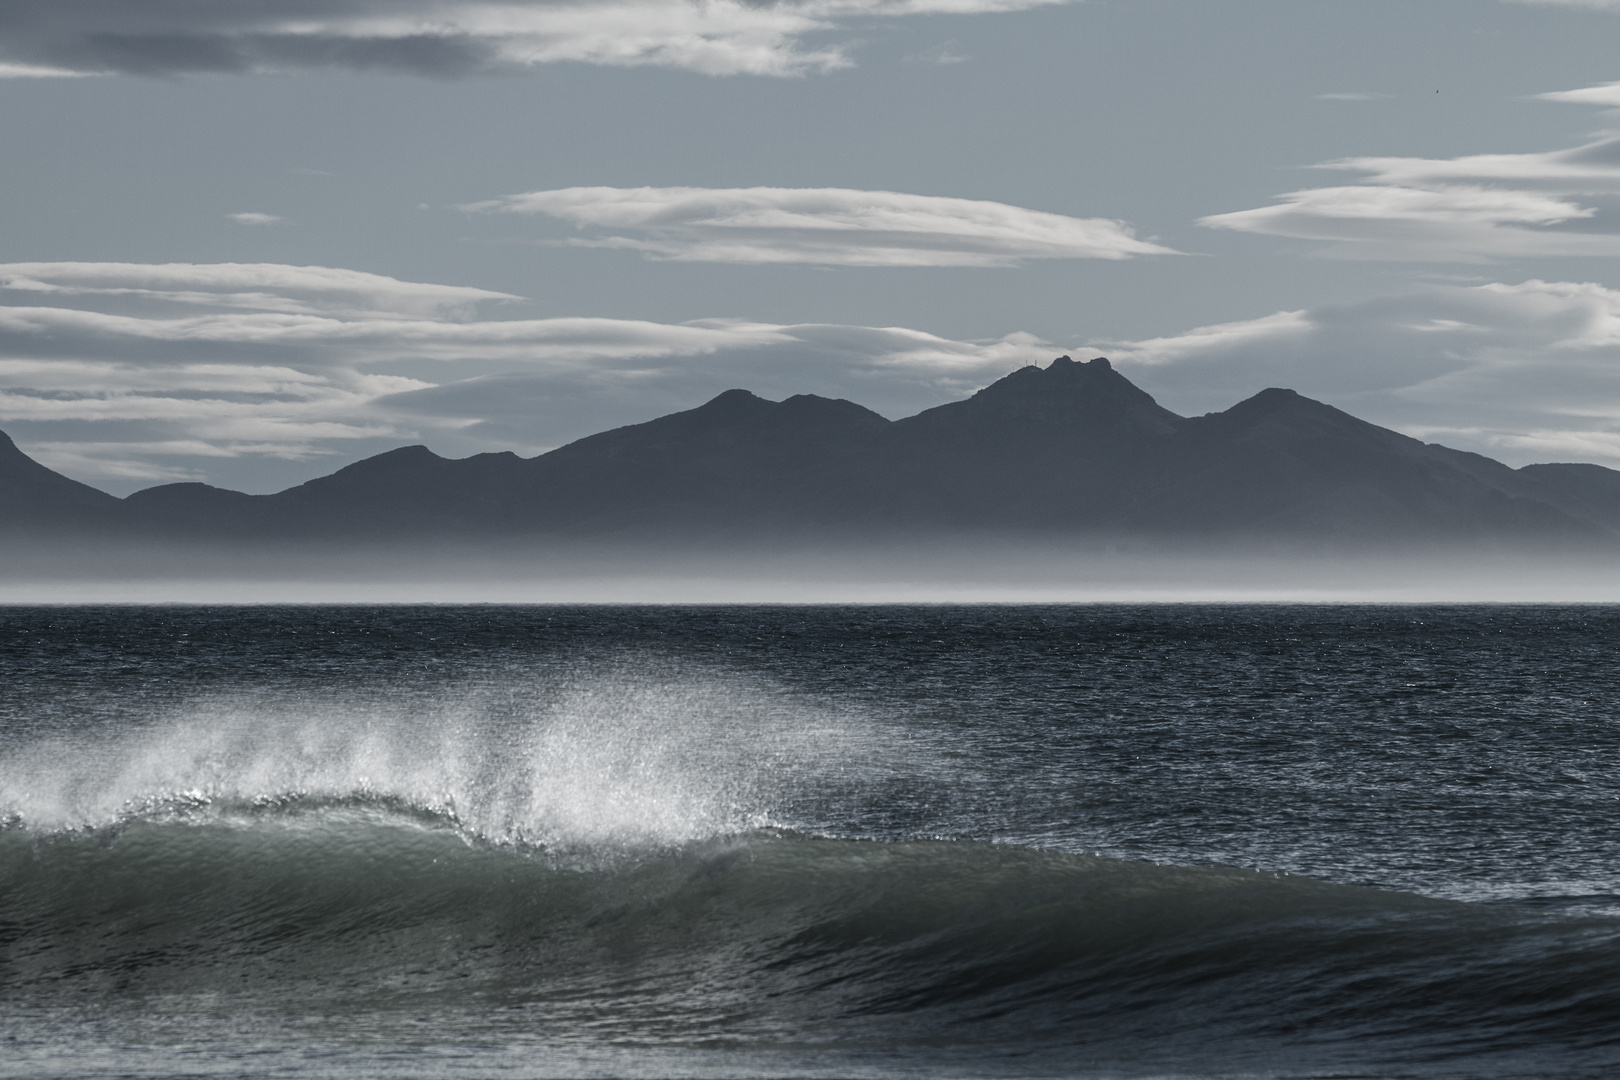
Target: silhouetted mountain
x: 1062, y: 447
x: 738, y: 461
x: 1282, y: 464
x: 1070, y: 450
x: 1588, y: 492
x: 194, y: 506
x: 34, y: 498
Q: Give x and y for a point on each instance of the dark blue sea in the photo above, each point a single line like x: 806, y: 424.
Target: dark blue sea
x: 1084, y: 841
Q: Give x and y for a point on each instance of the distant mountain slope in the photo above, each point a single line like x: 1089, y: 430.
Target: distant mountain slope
x: 737, y: 462
x: 1589, y: 492
x: 1282, y: 464
x: 1073, y: 449
x: 33, y: 497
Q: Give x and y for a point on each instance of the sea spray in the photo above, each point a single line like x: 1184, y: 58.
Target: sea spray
x: 620, y: 760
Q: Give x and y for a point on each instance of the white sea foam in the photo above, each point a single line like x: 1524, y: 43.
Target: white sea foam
x: 619, y: 759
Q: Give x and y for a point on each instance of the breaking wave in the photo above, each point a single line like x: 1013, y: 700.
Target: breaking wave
x: 632, y: 866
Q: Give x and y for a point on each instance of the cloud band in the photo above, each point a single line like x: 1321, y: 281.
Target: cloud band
x: 825, y: 226
x: 439, y: 37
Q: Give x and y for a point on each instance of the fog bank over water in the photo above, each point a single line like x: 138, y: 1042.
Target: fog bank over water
x: 1005, y: 572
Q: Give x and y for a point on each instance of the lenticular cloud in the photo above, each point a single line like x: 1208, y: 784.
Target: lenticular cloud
x: 263, y: 287
x: 823, y: 226
x: 1471, y: 209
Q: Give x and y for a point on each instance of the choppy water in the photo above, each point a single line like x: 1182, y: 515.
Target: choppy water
x: 1088, y: 841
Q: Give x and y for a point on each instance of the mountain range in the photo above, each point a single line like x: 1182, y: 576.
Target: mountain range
x: 1069, y: 451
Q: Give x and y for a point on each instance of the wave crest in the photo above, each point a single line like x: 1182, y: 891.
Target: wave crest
x: 613, y: 762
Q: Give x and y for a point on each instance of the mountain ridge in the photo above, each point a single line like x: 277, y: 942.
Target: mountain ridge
x: 1072, y: 450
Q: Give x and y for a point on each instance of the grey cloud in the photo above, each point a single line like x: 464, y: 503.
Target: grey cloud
x: 257, y: 287
x: 177, y: 37
x: 442, y: 38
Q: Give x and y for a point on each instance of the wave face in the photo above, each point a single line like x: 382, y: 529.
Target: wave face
x: 771, y: 938
x: 625, y: 862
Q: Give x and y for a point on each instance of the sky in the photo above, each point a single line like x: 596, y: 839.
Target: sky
x: 248, y: 242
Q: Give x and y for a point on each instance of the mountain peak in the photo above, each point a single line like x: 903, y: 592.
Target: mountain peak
x: 1069, y: 378
x: 1278, y: 408
x: 1063, y: 371
x: 1269, y: 401
x: 415, y: 455
x: 1068, y: 398
x: 1066, y: 361
x: 390, y: 470
x: 733, y: 399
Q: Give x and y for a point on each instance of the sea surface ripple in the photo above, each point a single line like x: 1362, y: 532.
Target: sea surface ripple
x: 1099, y: 841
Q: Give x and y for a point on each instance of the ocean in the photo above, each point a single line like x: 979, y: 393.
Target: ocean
x: 810, y: 841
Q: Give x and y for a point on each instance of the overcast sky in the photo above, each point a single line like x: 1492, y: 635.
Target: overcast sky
x: 251, y: 241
